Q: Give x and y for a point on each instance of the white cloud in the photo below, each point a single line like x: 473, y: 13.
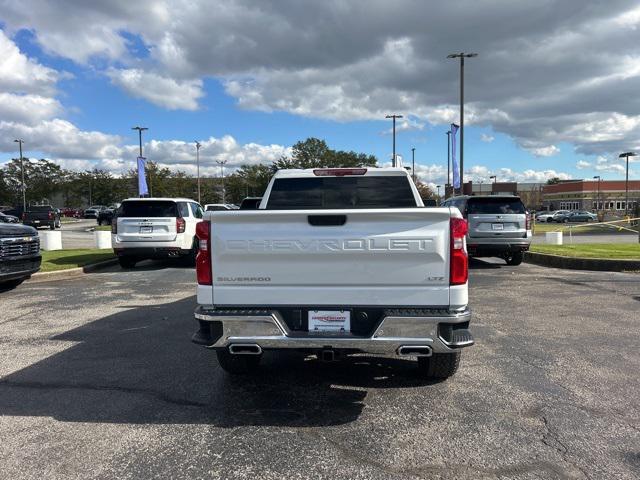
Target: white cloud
x: 27, y: 109
x: 487, y: 138
x: 582, y: 164
x: 547, y: 151
x: 19, y: 74
x: 163, y: 91
x: 405, y: 125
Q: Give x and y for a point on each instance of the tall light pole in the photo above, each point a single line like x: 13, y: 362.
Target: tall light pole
x: 448, y: 160
x: 198, y: 145
x: 438, y: 187
x: 598, y: 197
x: 222, y: 163
x: 462, y: 56
x: 413, y: 162
x: 140, y: 130
x: 626, y: 181
x: 494, y: 178
x: 394, y: 116
x: 24, y: 193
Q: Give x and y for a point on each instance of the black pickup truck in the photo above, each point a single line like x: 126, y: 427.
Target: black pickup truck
x: 42, y: 216
x: 19, y: 254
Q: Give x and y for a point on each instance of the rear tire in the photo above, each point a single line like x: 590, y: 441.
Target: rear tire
x: 189, y: 260
x: 238, y: 364
x: 127, y: 262
x: 52, y: 226
x: 439, y: 366
x: 515, y: 258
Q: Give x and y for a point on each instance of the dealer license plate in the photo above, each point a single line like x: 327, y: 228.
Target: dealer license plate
x: 497, y: 226
x: 334, y: 321
x: 146, y: 229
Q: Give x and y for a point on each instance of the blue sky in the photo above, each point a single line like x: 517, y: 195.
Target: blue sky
x: 74, y: 87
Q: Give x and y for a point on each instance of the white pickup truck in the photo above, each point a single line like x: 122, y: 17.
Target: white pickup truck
x: 335, y: 261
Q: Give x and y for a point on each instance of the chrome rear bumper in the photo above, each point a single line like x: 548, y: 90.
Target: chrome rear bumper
x: 268, y: 330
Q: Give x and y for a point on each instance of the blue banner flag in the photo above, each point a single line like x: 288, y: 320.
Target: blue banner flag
x: 142, y: 179
x: 454, y: 162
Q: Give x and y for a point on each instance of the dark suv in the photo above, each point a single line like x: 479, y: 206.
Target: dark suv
x: 499, y: 226
x: 19, y: 254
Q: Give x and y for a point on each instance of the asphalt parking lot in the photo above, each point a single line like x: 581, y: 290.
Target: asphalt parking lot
x: 98, y: 379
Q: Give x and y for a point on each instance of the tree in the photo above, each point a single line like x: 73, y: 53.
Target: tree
x: 42, y: 178
x: 314, y: 153
x: 553, y: 181
x: 425, y: 191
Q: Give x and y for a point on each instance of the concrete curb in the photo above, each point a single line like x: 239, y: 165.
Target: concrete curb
x: 570, y: 263
x: 73, y: 272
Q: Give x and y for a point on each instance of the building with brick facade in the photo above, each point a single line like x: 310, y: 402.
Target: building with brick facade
x: 607, y: 195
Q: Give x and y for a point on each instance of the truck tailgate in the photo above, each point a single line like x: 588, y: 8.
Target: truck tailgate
x: 371, y: 257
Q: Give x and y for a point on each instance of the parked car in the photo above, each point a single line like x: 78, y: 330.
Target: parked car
x: 106, y: 216
x: 212, y: 207
x: 549, y: 216
x: 250, y: 203
x: 336, y: 261
x: 42, y: 216
x: 72, y: 212
x: 4, y: 218
x: 577, y: 216
x: 156, y: 228
x: 93, y: 211
x: 19, y: 254
x: 499, y: 226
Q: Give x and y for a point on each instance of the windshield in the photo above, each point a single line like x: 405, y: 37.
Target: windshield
x: 341, y: 192
x: 495, y: 206
x: 160, y: 208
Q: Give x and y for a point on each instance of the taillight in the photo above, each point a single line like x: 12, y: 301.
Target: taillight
x: 114, y: 226
x: 24, y: 216
x: 181, y: 225
x: 338, y: 172
x: 528, y: 223
x: 50, y: 215
x: 459, y: 269
x: 203, y: 258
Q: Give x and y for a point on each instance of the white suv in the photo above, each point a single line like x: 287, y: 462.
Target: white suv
x: 155, y: 228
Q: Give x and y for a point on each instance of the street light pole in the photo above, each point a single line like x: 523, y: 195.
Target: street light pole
x: 198, y: 145
x: 462, y: 56
x: 24, y: 192
x: 413, y: 161
x: 598, y: 197
x: 626, y: 181
x: 222, y: 163
x: 394, y: 116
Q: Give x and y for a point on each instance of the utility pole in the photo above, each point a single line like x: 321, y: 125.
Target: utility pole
x: 448, y: 160
x: 24, y: 192
x: 413, y: 161
x: 462, y: 56
x: 198, y: 145
x: 222, y: 163
x: 598, y: 197
x: 626, y: 181
x: 394, y: 116
x: 140, y: 130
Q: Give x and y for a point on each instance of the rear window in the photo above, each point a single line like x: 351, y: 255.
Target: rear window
x: 341, y: 192
x: 40, y: 208
x: 148, y: 209
x: 495, y: 205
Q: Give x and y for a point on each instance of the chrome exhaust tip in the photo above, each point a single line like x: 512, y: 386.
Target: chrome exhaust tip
x: 245, y: 349
x: 415, y: 350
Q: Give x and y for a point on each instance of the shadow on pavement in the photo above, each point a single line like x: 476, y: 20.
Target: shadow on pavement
x: 138, y: 366
x: 479, y: 264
